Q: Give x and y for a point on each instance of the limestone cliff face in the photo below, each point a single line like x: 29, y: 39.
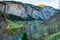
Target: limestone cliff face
x: 26, y: 11
x: 1, y: 7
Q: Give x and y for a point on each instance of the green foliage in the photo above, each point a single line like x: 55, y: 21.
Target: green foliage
x: 36, y: 35
x: 24, y: 36
x: 1, y: 14
x: 55, y: 36
x: 14, y: 25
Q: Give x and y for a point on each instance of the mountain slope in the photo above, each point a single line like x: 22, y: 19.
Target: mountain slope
x: 55, y: 36
x: 40, y: 21
x: 28, y: 11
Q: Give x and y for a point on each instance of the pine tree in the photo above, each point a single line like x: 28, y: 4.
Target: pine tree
x: 24, y: 36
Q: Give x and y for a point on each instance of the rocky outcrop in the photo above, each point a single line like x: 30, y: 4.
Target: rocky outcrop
x: 28, y: 11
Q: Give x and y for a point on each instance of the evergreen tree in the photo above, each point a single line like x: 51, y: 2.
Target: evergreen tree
x: 24, y: 36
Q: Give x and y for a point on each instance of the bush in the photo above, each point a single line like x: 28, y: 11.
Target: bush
x: 24, y: 36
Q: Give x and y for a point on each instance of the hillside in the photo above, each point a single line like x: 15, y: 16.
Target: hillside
x: 38, y: 22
